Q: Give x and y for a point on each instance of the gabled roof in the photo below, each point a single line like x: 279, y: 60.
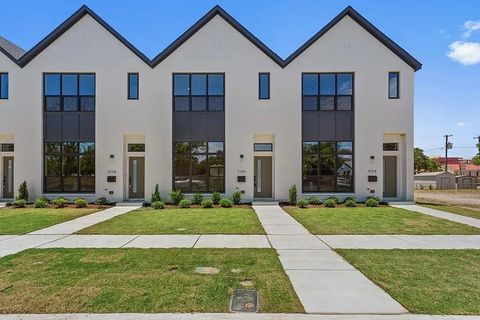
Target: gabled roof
x: 10, y: 49
x: 217, y: 10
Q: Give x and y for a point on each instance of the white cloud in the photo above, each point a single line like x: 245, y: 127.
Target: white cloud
x: 462, y: 124
x: 470, y: 27
x: 466, y: 53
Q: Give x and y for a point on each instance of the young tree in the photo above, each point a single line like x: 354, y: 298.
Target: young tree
x: 424, y: 163
x: 476, y: 159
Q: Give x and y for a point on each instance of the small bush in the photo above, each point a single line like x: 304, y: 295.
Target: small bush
x: 207, y: 203
x: 372, y: 202
x: 185, y: 203
x: 302, y: 203
x: 350, y: 203
x: 19, y: 203
x: 156, y: 195
x: 350, y: 198
x: 236, y: 197
x: 101, y: 201
x: 60, y: 202
x: 23, y: 192
x: 226, y: 203
x: 44, y: 198
x: 158, y: 205
x: 80, y: 203
x: 314, y: 200
x: 40, y: 203
x: 176, y: 196
x: 333, y: 198
x: 330, y: 203
x: 197, y: 198
x: 216, y: 197
x: 292, y: 194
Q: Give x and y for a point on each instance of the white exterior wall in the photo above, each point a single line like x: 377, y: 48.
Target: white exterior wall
x: 217, y: 47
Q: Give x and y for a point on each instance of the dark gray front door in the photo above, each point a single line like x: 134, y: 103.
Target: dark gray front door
x: 136, y: 179
x: 8, y: 177
x: 390, y: 176
x: 263, y: 177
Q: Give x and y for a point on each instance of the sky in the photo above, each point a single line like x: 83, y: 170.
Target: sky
x: 443, y: 35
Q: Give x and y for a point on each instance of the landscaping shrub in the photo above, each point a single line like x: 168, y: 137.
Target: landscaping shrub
x: 237, y: 197
x: 314, y: 200
x: 372, y: 202
x: 60, y: 202
x: 23, y: 192
x: 350, y: 198
x: 156, y: 195
x: 185, y: 203
x: 158, y: 205
x: 197, y: 198
x: 207, y: 203
x: 292, y: 194
x: 350, y: 203
x: 40, y: 203
x: 333, y: 198
x: 302, y: 203
x: 226, y: 203
x: 80, y: 203
x: 176, y: 197
x: 216, y: 197
x: 101, y: 201
x: 330, y: 203
x: 19, y: 203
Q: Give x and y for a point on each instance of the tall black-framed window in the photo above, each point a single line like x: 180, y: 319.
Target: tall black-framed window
x: 394, y: 85
x: 327, y: 166
x: 133, y: 86
x: 199, y: 166
x: 69, y: 92
x: 264, y: 86
x: 198, y: 91
x: 327, y: 91
x: 3, y: 85
x: 69, y: 167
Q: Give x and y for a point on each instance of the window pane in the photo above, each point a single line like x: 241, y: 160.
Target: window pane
x: 344, y: 184
x: 215, y: 103
x: 199, y: 183
x: 52, y: 84
x: 310, y: 184
x: 53, y: 166
x: 87, y: 184
x: 87, y: 165
x: 216, y: 184
x: 199, y: 103
x: 327, y: 147
x: 87, y: 147
x: 87, y: 84
x: 53, y: 184
x: 327, y: 166
x: 8, y: 147
x: 87, y: 103
x: 344, y: 147
x: 344, y: 103
x: 70, y: 184
x: 70, y: 104
x: 199, y: 147
x: 133, y: 86
x: 52, y: 103
x: 182, y: 103
x: 182, y: 183
x: 70, y: 147
x: 310, y: 84
x: 53, y: 147
x: 393, y: 85
x: 264, y: 86
x: 310, y: 148
x: 181, y: 165
x: 327, y: 103
x: 327, y: 84
x: 344, y: 83
x: 4, y: 86
x: 327, y: 183
x: 310, y: 165
x: 70, y: 166
x: 344, y: 165
x: 215, y: 147
x: 182, y: 147
x: 136, y: 147
x: 310, y: 103
x: 390, y: 147
x: 215, y: 85
x: 69, y: 84
x: 216, y: 165
x: 199, y: 165
x: 199, y: 85
x: 181, y: 85
x: 262, y: 147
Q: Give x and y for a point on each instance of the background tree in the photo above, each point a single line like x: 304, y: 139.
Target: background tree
x: 476, y: 159
x: 423, y: 162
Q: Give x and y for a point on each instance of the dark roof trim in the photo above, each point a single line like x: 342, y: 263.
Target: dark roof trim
x: 11, y: 50
x: 365, y: 24
x: 217, y: 10
x: 65, y: 26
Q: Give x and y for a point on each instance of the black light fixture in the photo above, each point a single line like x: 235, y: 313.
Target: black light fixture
x: 241, y: 156
x: 112, y: 156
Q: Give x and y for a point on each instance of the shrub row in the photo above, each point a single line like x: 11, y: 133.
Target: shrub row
x: 332, y: 202
x: 178, y: 199
x: 60, y: 202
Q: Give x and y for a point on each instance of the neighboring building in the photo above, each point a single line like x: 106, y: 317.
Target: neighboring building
x: 459, y: 166
x: 466, y: 182
x: 84, y: 113
x: 435, y: 180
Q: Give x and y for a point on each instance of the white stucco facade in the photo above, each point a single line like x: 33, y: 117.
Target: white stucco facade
x: 217, y: 47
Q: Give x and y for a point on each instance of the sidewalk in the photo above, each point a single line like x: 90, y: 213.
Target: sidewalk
x: 441, y: 214
x: 324, y: 281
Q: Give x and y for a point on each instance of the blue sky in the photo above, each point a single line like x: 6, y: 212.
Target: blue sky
x: 447, y: 89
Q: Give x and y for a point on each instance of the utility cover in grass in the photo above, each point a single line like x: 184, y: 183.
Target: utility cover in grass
x: 207, y: 270
x: 244, y: 301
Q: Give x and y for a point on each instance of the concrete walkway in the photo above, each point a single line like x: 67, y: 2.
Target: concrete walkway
x: 441, y: 214
x: 324, y: 281
x: 402, y: 241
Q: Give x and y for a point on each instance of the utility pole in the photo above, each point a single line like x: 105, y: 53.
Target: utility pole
x: 477, y: 138
x: 448, y: 145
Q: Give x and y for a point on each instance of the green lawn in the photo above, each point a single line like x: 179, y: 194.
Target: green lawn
x: 453, y: 209
x: 181, y: 221
x: 140, y: 280
x: 424, y: 281
x: 25, y: 220
x: 380, y: 220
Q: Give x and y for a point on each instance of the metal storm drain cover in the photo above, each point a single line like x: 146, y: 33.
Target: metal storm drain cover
x: 244, y: 301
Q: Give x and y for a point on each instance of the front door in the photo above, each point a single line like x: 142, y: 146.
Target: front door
x: 390, y: 176
x: 136, y: 179
x: 263, y: 177
x: 8, y: 177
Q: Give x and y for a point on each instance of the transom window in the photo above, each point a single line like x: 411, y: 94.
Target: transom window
x: 327, y: 91
x: 327, y: 166
x: 69, y: 167
x: 263, y: 147
x: 3, y: 85
x: 136, y: 147
x: 8, y: 147
x: 199, y: 92
x: 199, y: 166
x: 390, y: 146
x: 69, y: 92
x: 393, y: 85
